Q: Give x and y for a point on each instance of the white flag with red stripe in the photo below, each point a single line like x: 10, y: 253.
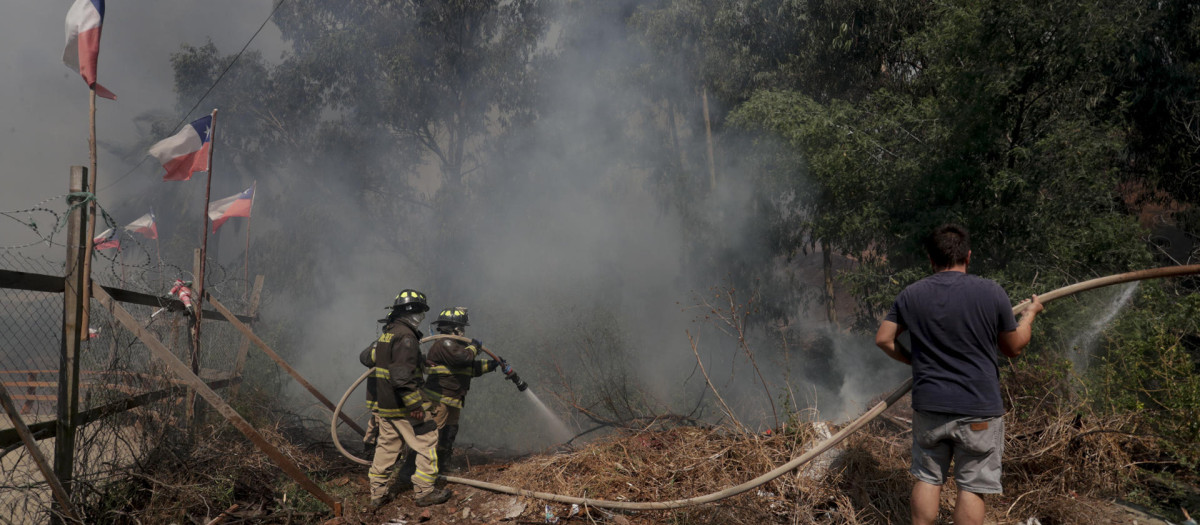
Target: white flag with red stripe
x: 83, y: 42
x: 144, y: 225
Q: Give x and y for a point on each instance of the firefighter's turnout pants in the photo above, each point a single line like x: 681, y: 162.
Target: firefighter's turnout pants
x: 446, y: 417
x: 394, y: 433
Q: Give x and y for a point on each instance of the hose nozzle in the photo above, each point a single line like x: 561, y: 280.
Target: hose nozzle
x: 516, y: 379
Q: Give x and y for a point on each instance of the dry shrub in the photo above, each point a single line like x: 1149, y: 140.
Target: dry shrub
x: 178, y: 482
x: 689, y: 462
x: 1061, y: 461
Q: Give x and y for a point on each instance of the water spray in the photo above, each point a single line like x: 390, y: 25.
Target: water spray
x: 811, y: 454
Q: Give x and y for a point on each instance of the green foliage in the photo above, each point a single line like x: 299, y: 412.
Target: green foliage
x: 1150, y: 366
x: 995, y: 127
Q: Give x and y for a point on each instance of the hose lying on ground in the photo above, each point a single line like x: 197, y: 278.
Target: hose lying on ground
x: 811, y: 454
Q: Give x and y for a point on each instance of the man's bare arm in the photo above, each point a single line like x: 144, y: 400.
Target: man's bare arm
x: 1014, y: 342
x: 885, y: 339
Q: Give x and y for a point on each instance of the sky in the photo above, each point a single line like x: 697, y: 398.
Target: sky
x: 43, y: 120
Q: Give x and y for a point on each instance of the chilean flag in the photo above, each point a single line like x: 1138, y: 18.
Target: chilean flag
x: 106, y: 240
x: 235, y: 206
x: 186, y: 152
x: 83, y: 42
x: 145, y: 226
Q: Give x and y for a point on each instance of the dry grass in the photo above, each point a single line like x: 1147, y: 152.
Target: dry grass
x: 687, y: 462
x: 1062, y: 464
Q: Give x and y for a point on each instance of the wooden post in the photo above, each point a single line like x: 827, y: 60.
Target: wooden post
x: 28, y: 406
x: 74, y: 300
x: 182, y: 370
x: 60, y: 494
x: 198, y: 271
x: 244, y: 347
x: 194, y: 333
x: 91, y: 221
x: 233, y: 320
x: 827, y: 265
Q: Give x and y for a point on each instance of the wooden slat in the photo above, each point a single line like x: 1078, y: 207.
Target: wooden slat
x: 46, y: 429
x: 56, y: 486
x: 56, y: 284
x: 34, y: 282
x: 244, y: 345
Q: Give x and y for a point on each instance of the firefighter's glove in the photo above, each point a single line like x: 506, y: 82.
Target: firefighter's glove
x: 477, y: 343
x: 416, y: 414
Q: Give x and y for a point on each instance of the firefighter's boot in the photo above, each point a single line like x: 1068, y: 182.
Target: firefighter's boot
x: 378, y: 502
x: 437, y: 497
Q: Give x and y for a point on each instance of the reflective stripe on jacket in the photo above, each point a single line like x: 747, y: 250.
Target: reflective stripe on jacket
x: 394, y: 386
x: 451, y: 366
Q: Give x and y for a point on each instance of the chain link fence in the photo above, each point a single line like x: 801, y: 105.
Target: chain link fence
x: 131, y: 404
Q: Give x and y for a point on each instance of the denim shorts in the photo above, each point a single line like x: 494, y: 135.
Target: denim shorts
x: 974, y: 443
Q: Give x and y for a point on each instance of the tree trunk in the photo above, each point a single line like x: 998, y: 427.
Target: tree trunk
x: 712, y: 167
x: 830, y: 310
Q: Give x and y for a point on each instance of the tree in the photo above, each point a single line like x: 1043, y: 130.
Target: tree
x: 995, y: 126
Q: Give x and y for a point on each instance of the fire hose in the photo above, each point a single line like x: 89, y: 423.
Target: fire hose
x: 811, y: 454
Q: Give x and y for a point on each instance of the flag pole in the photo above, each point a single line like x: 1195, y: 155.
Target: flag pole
x: 253, y: 196
x: 199, y: 298
x: 91, y: 229
x: 121, y: 260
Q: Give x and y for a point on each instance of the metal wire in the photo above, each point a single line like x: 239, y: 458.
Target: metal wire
x: 114, y: 367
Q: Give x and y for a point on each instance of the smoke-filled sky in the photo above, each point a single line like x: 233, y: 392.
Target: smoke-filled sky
x: 43, y: 120
x: 575, y: 262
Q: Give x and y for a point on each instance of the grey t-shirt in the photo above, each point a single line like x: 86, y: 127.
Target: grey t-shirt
x: 954, y: 320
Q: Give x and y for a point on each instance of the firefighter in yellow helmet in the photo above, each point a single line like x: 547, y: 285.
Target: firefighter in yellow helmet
x: 394, y: 396
x: 452, y: 364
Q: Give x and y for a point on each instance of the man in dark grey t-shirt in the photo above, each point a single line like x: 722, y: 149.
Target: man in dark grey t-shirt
x: 956, y: 322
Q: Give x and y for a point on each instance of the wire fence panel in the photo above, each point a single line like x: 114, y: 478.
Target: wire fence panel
x: 131, y: 405
x: 30, y: 339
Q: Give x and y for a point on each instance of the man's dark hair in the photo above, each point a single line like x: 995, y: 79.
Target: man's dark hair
x: 948, y: 246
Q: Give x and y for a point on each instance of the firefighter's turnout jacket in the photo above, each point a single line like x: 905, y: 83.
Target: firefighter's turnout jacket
x: 394, y: 386
x: 451, y: 366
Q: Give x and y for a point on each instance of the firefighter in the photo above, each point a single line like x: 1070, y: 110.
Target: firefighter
x: 451, y: 367
x: 394, y: 396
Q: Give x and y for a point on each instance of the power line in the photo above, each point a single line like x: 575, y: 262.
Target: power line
x: 206, y: 92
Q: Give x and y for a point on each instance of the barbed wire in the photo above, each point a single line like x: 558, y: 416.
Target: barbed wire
x: 60, y: 218
x: 129, y: 271
x: 31, y: 223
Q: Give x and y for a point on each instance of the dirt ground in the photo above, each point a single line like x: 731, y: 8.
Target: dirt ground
x: 471, y: 506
